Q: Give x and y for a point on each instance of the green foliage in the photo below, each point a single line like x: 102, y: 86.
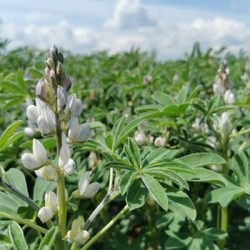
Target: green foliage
x: 173, y: 189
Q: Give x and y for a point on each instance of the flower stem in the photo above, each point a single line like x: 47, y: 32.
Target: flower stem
x: 62, y: 205
x: 105, y: 229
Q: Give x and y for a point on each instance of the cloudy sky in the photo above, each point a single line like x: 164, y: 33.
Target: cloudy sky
x: 169, y: 27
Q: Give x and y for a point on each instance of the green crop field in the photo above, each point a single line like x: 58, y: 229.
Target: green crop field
x: 124, y: 151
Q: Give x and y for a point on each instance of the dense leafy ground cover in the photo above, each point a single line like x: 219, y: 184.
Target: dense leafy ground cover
x: 166, y: 140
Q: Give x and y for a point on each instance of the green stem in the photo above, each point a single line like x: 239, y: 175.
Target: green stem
x: 109, y: 197
x: 223, y: 226
x: 105, y: 229
x: 26, y: 222
x: 62, y: 205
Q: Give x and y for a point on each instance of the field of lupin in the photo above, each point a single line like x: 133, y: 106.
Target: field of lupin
x: 124, y: 151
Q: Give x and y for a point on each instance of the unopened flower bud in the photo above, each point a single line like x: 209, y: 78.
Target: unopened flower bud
x: 229, y: 97
x: 44, y: 91
x: 66, y: 83
x: 61, y: 98
x: 160, y: 141
x: 59, y: 69
x: 140, y: 138
x: 50, y: 63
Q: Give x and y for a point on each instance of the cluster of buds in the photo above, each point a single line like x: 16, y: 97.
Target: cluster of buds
x: 54, y: 111
x: 222, y: 84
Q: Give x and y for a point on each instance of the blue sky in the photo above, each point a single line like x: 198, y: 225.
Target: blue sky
x: 168, y: 27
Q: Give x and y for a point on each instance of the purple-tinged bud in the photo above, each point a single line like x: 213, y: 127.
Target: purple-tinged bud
x: 44, y: 91
x: 66, y: 83
x: 61, y: 98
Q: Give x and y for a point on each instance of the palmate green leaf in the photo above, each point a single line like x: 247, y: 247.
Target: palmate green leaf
x: 119, y: 165
x: 214, y: 234
x: 180, y: 201
x: 156, y: 191
x: 9, y: 131
x: 133, y: 153
x: 225, y: 195
x: 16, y: 136
x: 137, y: 195
x: 49, y: 238
x: 182, y: 96
x: 163, y: 99
x: 11, y: 87
x: 240, y: 167
x: 205, y: 175
x: 21, y: 82
x: 155, y: 155
x: 122, y: 131
x: 167, y: 174
x: 202, y: 159
x: 126, y: 180
x: 17, y: 237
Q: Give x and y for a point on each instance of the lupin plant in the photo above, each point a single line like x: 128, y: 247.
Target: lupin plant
x: 56, y: 113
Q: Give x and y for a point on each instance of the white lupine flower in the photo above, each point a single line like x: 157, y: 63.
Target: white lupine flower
x: 74, y: 105
x: 37, y: 159
x: 218, y: 88
x: 51, y: 206
x: 65, y: 162
x: 86, y: 190
x: 160, y: 141
x: 140, y: 138
x: 229, y: 97
x: 77, y: 132
x: 45, y: 214
x: 76, y: 234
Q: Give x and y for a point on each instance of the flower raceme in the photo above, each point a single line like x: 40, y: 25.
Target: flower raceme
x: 37, y: 159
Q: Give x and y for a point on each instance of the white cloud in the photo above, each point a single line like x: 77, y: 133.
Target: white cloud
x: 130, y: 14
x: 132, y: 26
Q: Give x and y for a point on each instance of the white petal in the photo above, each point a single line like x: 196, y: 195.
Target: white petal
x: 51, y: 201
x: 73, y: 129
x: 82, y: 237
x: 64, y: 155
x: 83, y: 182
x: 91, y: 190
x: 32, y: 113
x: 39, y: 151
x: 76, y: 107
x: 84, y: 132
x: 45, y: 214
x: 43, y: 125
x: 30, y: 161
x: 69, y: 167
